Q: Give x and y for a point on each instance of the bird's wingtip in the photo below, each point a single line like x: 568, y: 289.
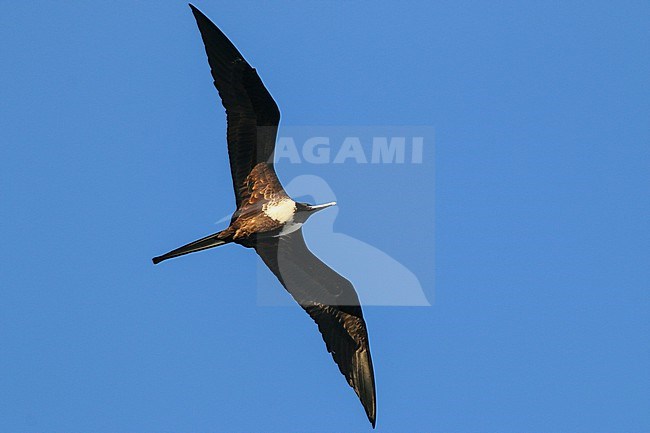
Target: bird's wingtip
x: 364, y: 386
x: 372, y: 419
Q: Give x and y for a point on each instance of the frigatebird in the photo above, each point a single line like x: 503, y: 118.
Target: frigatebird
x: 269, y: 221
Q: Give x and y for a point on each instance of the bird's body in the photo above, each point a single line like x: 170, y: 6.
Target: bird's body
x: 265, y: 208
x: 270, y: 222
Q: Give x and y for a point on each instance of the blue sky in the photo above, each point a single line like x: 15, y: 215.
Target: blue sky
x: 534, y: 205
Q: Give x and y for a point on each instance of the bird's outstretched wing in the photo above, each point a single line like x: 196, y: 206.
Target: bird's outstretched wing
x: 332, y: 302
x: 251, y: 112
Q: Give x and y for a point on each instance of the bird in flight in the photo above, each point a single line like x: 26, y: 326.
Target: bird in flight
x: 269, y: 221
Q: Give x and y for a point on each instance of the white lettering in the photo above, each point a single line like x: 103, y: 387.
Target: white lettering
x: 316, y: 155
x: 285, y: 147
x: 386, y: 151
x: 351, y: 148
x: 418, y: 144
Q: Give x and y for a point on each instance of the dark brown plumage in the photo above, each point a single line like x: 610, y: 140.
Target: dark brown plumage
x: 268, y: 220
x: 332, y: 302
x: 252, y: 114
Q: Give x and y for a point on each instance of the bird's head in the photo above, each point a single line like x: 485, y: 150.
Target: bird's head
x: 305, y: 210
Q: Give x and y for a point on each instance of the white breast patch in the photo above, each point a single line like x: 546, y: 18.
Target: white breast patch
x: 281, y: 211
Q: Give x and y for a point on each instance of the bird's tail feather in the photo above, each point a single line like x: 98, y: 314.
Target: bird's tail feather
x: 214, y: 240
